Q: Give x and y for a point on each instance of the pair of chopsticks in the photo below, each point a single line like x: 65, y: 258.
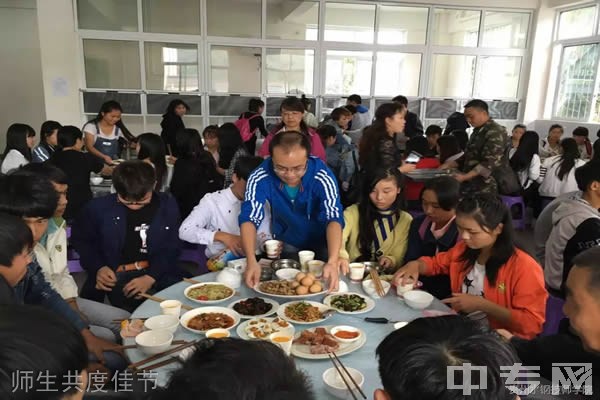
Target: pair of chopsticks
x: 133, y: 346
x: 160, y: 300
x: 155, y: 357
x: 339, y: 367
x: 377, y: 282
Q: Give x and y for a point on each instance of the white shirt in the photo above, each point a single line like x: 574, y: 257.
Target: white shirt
x: 531, y: 174
x: 218, y: 212
x: 90, y: 127
x: 473, y: 283
x: 550, y: 185
x: 13, y: 160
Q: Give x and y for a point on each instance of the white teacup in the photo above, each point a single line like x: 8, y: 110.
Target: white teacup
x: 304, y: 257
x: 171, y: 307
x: 357, y: 271
x: 272, y: 248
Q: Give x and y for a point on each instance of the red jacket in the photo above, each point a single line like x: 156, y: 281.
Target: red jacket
x: 519, y: 287
x: 413, y: 189
x: 317, y: 148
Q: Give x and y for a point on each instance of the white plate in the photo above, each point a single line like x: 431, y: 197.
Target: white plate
x: 185, y: 318
x: 303, y: 350
x: 296, y: 296
x: 241, y: 329
x: 370, y: 303
x: 322, y: 308
x: 273, y: 303
x: 197, y: 285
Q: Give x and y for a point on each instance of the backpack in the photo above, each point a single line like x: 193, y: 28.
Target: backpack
x: 243, y: 124
x: 506, y: 178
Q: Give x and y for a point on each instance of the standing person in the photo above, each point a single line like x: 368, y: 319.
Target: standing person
x: 305, y: 205
x: 517, y: 133
x: 550, y: 146
x: 309, y: 118
x: 456, y: 122
x: 151, y: 149
x: 48, y: 142
x: 462, y: 136
x: 172, y: 122
x: 524, y: 160
x: 211, y: 142
x: 449, y: 150
x: 19, y: 142
x: 103, y: 133
x: 581, y: 135
x: 292, y: 112
x: 362, y: 118
x: 231, y: 148
x: 413, y: 126
x: 427, y: 160
x: 250, y: 122
x: 484, y: 152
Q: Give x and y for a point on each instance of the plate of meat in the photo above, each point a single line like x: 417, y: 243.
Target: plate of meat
x: 315, y: 343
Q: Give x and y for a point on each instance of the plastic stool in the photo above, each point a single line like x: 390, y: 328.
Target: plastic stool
x: 554, y: 314
x: 510, y: 201
x: 195, y: 254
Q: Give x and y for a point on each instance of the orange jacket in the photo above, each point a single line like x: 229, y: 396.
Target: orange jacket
x: 519, y: 287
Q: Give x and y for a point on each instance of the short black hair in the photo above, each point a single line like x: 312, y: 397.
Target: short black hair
x: 15, y: 236
x: 401, y: 99
x: 46, y: 170
x: 350, y: 108
x: 446, y: 189
x: 68, y: 135
x: 433, y: 130
x: 27, y: 195
x: 255, y: 104
x: 288, y: 140
x: 479, y: 104
x: 418, y: 144
x: 414, y: 360
x: 581, y: 131
x: 326, y: 131
x: 47, y: 128
x: 590, y: 260
x: 250, y: 370
x: 59, y: 352
x: 462, y: 137
x: 134, y: 179
x: 339, y: 112
x: 245, y: 165
x: 212, y: 130
x: 587, y: 174
x: 519, y: 126
x: 355, y: 98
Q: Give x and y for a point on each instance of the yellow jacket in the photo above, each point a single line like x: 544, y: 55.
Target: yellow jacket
x: 393, y: 247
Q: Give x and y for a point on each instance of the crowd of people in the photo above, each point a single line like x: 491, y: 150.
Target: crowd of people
x: 341, y: 188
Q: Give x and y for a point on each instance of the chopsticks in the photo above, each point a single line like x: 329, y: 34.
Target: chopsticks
x: 168, y: 361
x: 160, y: 300
x: 161, y: 355
x: 333, y: 357
x: 377, y: 282
x: 133, y: 346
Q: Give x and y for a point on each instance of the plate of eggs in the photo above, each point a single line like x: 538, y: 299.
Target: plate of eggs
x: 303, y: 285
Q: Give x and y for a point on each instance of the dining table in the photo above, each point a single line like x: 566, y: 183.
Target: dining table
x: 364, y: 359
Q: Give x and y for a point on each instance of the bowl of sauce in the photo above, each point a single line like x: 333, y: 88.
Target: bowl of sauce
x: 217, y: 333
x: 345, y: 333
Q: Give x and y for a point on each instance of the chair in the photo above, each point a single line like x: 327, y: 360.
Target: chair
x: 554, y: 314
x: 194, y: 253
x: 511, y: 201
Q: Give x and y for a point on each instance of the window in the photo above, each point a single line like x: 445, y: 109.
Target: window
x: 292, y: 19
x: 349, y: 22
x: 158, y: 103
x: 576, y: 23
x: 505, y: 30
x: 402, y: 25
x: 497, y: 77
x: 112, y: 64
x: 235, y: 69
x: 290, y: 71
x: 171, y: 16
x: 234, y: 18
x: 455, y: 27
x: 348, y: 72
x: 108, y: 15
x: 171, y: 67
x: 397, y: 73
x: 452, y: 75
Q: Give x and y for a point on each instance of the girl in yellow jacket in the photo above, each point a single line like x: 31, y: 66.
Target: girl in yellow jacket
x: 376, y: 229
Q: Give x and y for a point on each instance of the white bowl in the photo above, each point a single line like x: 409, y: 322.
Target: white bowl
x: 96, y: 180
x: 335, y: 385
x: 342, y: 287
x: 185, y: 318
x: 162, y: 322
x: 369, y: 288
x: 287, y: 274
x: 217, y: 333
x: 417, y: 299
x: 338, y: 328
x: 154, y: 342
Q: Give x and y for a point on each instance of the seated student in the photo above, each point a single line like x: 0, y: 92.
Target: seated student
x: 353, y: 134
x: 309, y: 118
x: 211, y: 141
x: 517, y: 133
x: 78, y: 166
x: 50, y: 247
x: 19, y: 142
x: 462, y: 137
x: 413, y: 127
x: 414, y: 361
x: 214, y: 221
x: 581, y: 135
x: 341, y: 156
x: 249, y: 370
x: 305, y: 206
x: 231, y: 148
x: 575, y: 227
x: 37, y: 343
x: 419, y: 145
x: 376, y: 229
x: 449, y: 151
x: 151, y: 149
x: 340, y: 118
x: 596, y: 150
x: 363, y: 117
x: 524, y: 160
x: 551, y: 145
x: 488, y: 274
x: 433, y: 133
x: 128, y: 242
x: 48, y: 142
x: 435, y: 231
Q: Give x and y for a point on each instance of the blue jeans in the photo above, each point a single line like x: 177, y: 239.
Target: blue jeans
x: 101, y: 317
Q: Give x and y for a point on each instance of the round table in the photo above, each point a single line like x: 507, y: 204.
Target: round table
x: 363, y: 359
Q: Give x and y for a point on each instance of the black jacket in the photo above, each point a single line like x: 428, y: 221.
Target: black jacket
x: 413, y: 126
x: 171, y: 124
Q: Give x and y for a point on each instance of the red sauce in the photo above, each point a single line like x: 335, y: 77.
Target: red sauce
x: 347, y: 334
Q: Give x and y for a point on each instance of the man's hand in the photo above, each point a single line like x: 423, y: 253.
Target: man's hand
x: 138, y: 286
x: 463, y: 302
x: 232, y: 242
x: 252, y: 274
x: 97, y: 346
x: 105, y: 279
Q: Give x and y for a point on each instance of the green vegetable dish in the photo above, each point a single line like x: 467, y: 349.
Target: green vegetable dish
x: 349, y: 302
x: 210, y: 292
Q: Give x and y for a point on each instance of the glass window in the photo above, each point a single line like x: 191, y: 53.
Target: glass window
x: 455, y: 27
x: 576, y: 23
x: 130, y: 102
x: 497, y: 77
x: 228, y: 105
x: 452, y: 75
x: 348, y: 72
x: 171, y: 66
x: 290, y: 71
x: 107, y: 15
x: 505, y: 30
x: 234, y: 18
x: 397, y: 73
x: 576, y: 85
x: 112, y: 64
x: 292, y: 19
x: 171, y: 16
x: 349, y: 22
x: 235, y: 69
x: 402, y: 25
x: 158, y: 103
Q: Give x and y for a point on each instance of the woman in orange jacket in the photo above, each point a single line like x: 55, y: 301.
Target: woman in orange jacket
x: 489, y: 276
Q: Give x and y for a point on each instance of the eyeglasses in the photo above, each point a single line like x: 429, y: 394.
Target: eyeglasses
x: 293, y: 170
x: 142, y: 202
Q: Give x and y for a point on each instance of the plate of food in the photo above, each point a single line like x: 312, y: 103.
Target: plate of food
x: 209, y: 292
x: 315, y: 343
x: 303, y: 286
x: 254, y: 307
x: 261, y: 328
x: 200, y: 320
x: 303, y: 312
x: 349, y: 303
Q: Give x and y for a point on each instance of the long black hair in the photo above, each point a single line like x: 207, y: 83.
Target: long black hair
x: 570, y: 153
x: 173, y: 105
x: 48, y: 127
x: 449, y: 146
x: 16, y: 139
x: 528, y: 146
x: 107, y: 107
x: 489, y: 211
x: 292, y: 103
x: 153, y: 148
x: 368, y: 212
x: 377, y: 131
x: 230, y: 141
